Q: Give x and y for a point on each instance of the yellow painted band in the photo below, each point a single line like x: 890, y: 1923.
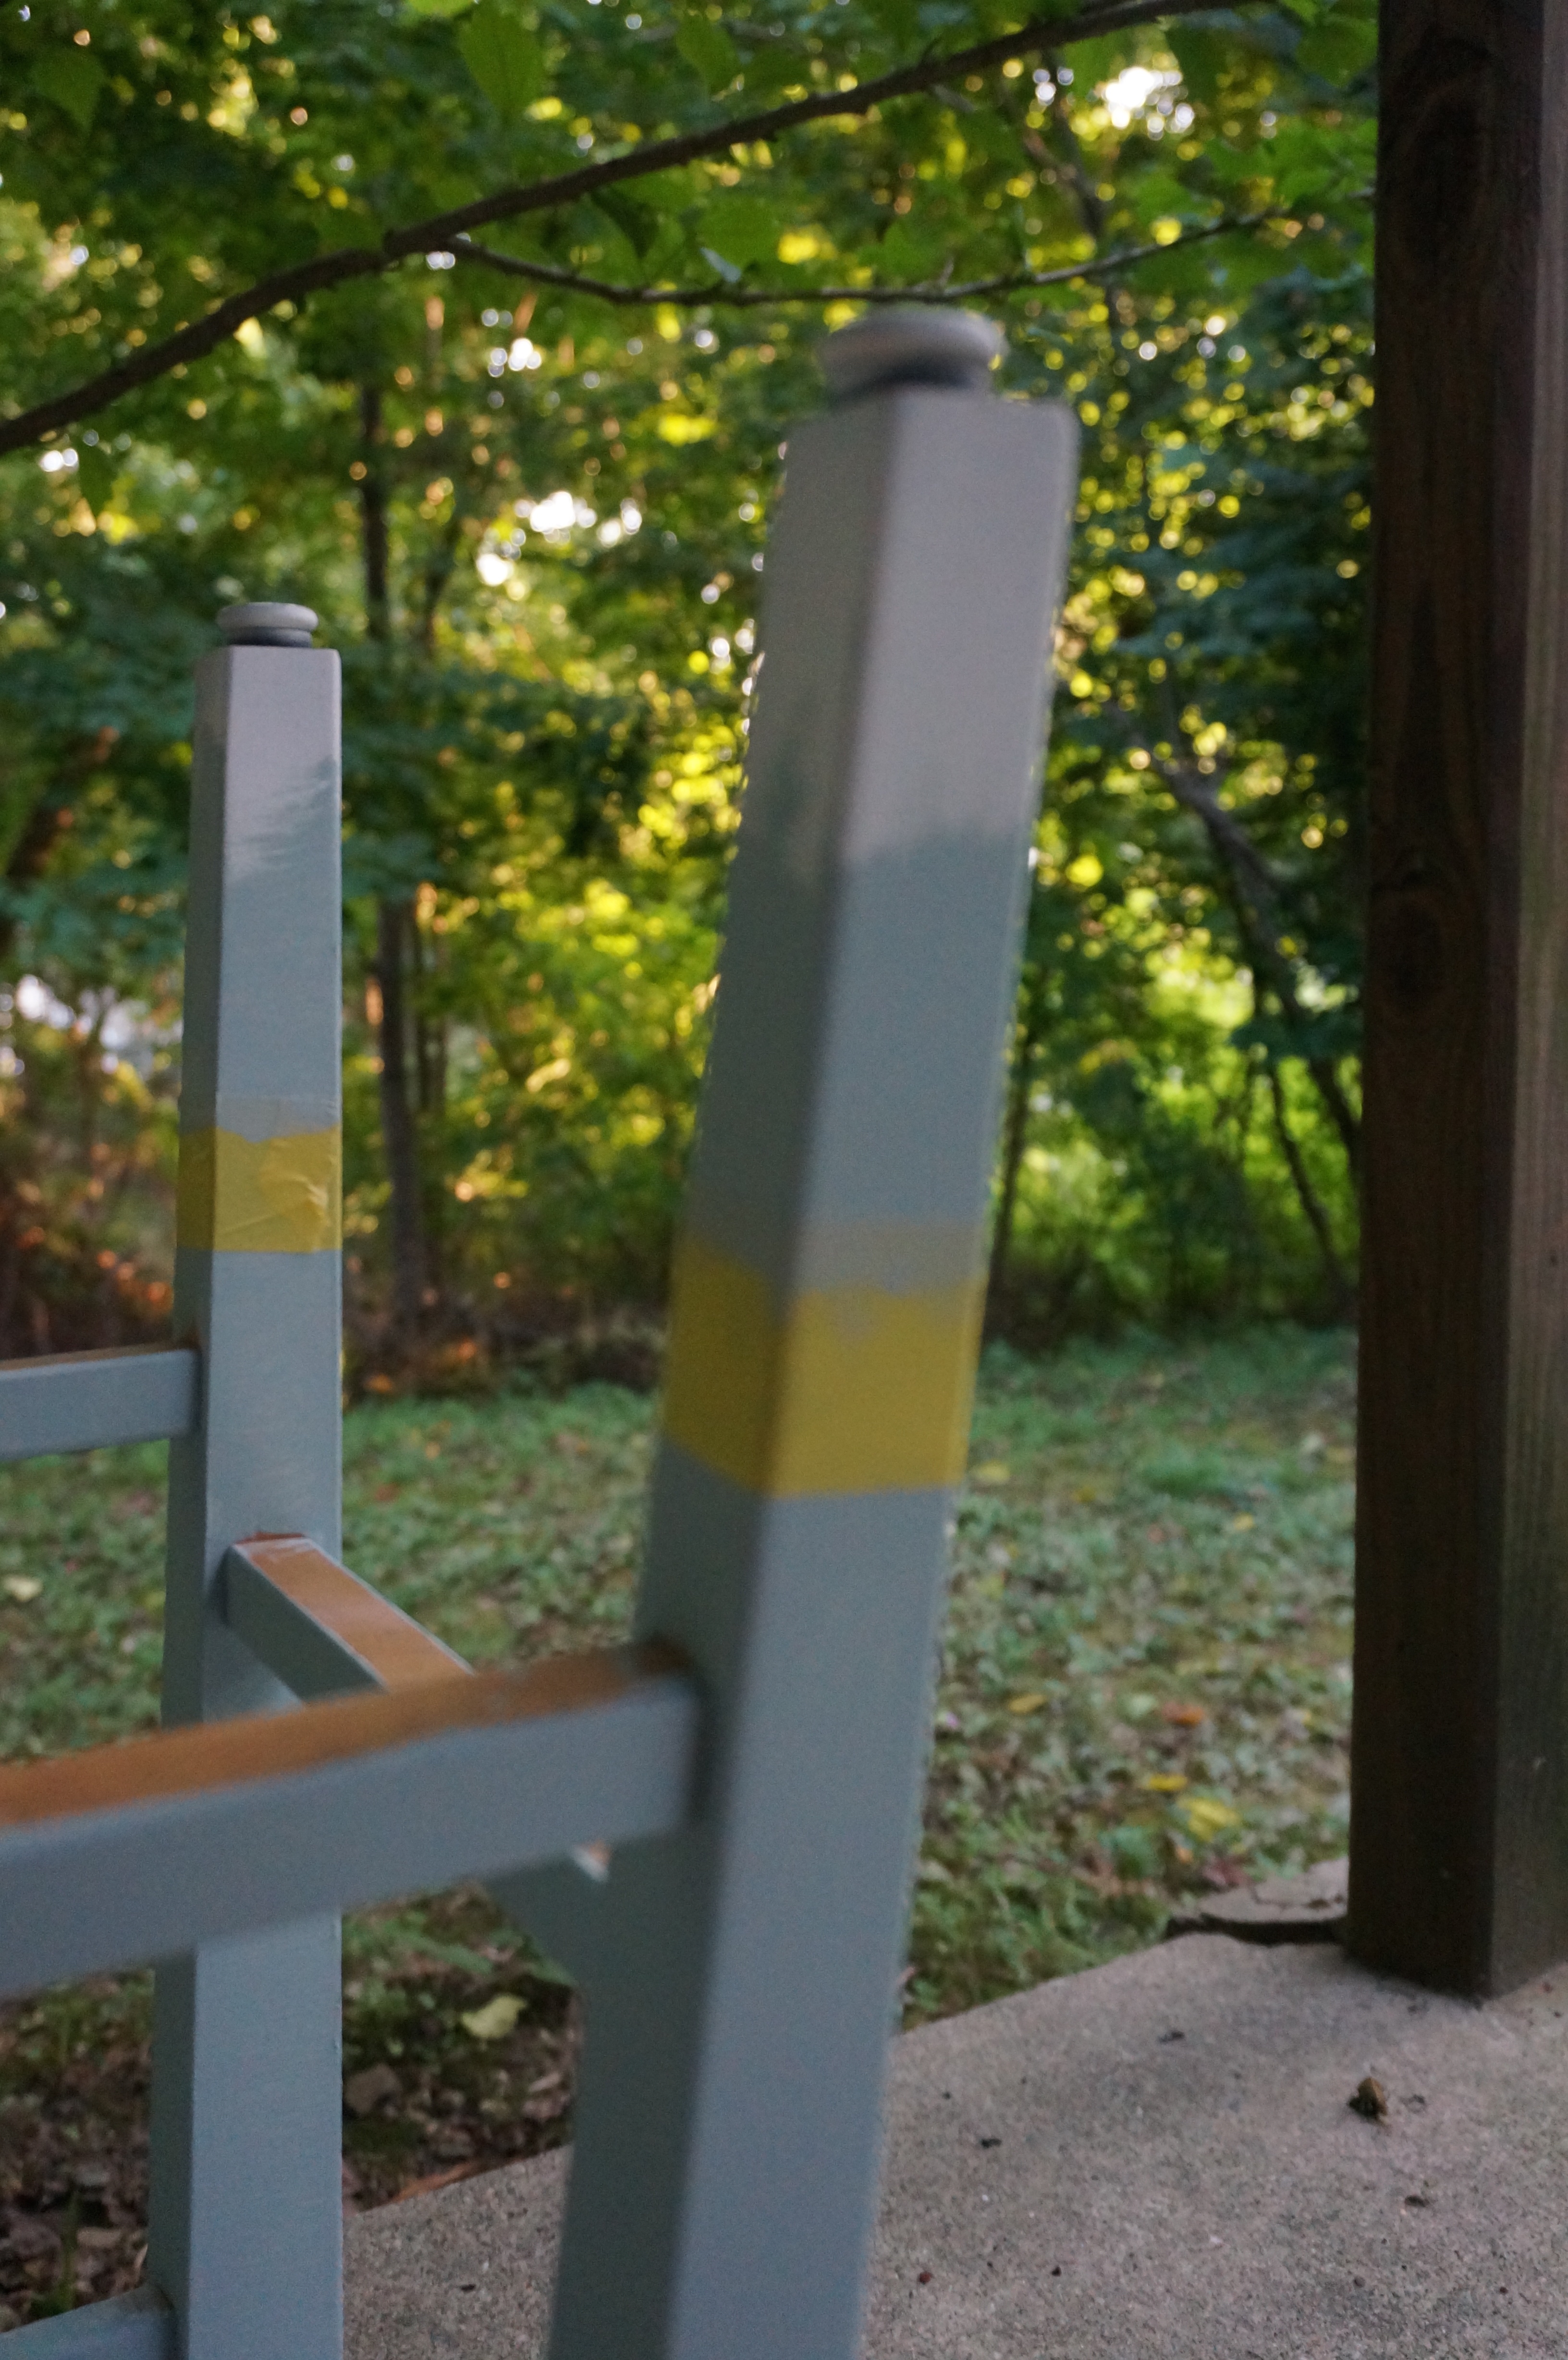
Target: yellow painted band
x: 270, y: 1195
x: 849, y: 1389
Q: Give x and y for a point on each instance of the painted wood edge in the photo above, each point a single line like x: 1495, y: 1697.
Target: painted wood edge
x: 138, y: 2326
x: 321, y: 1628
x: 255, y: 1747
x: 99, y: 1891
x: 87, y: 1400
x: 563, y: 1905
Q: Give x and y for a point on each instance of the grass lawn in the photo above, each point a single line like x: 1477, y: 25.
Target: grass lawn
x: 1144, y: 1687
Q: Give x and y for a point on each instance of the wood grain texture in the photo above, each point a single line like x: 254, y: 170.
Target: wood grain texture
x: 1459, y: 1850
x: 392, y: 1646
x: 274, y: 1745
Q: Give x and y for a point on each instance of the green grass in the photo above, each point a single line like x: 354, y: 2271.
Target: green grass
x: 1146, y: 1674
x: 1145, y: 1686
x: 1145, y: 1666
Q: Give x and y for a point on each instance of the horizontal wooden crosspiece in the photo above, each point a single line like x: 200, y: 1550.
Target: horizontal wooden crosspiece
x: 85, y: 1401
x: 263, y: 1746
x: 321, y: 1629
x: 132, y: 1851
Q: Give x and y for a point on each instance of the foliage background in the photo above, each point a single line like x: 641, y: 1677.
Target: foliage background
x: 534, y: 518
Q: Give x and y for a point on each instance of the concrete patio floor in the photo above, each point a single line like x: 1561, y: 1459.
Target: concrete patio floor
x: 1156, y: 2160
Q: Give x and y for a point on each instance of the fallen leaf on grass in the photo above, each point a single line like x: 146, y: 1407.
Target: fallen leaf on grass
x: 23, y: 1588
x: 434, y: 2179
x: 1242, y: 1524
x: 1183, y: 1716
x: 495, y: 2019
x: 1164, y: 1782
x: 363, y: 2092
x: 1024, y: 1704
x: 1206, y: 1819
x: 991, y: 1471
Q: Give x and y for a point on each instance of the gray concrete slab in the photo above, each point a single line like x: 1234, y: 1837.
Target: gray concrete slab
x: 1067, y: 2179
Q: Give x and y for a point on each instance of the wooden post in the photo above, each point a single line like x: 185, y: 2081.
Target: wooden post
x: 245, y: 2235
x: 1459, y: 1848
x: 827, y: 1304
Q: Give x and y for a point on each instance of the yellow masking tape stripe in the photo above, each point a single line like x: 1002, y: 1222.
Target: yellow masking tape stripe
x: 848, y: 1389
x: 270, y: 1196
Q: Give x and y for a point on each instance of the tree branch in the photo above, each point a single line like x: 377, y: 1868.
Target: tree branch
x: 1256, y: 904
x: 1231, y: 841
x: 929, y: 291
x: 192, y: 343
x: 440, y: 230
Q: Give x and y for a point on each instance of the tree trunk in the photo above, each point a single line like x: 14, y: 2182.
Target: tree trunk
x: 1015, y: 1137
x: 1340, y: 1289
x: 1254, y: 895
x: 394, y: 926
x: 373, y: 515
x: 430, y: 1073
x: 396, y: 934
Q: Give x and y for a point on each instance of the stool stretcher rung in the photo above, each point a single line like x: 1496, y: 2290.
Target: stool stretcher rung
x: 319, y: 1628
x: 324, y: 1631
x: 85, y: 1401
x: 139, y: 2326
x: 135, y: 1852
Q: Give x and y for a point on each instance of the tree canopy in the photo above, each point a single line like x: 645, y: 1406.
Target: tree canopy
x: 480, y: 326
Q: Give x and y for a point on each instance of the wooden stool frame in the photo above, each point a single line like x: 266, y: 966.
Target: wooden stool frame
x: 754, y: 1762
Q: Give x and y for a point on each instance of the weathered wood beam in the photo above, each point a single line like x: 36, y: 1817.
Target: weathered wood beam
x: 1459, y: 1850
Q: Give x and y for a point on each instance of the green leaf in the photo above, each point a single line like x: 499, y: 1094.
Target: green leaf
x: 669, y: 193
x: 899, y: 18
x: 1202, y: 56
x: 1158, y: 195
x: 95, y: 476
x: 503, y: 57
x: 438, y: 8
x: 498, y: 2016
x: 773, y: 70
x: 72, y: 79
x: 743, y: 229
x: 1340, y: 48
x: 1307, y: 163
x: 1099, y: 61
x: 638, y: 223
x: 913, y: 250
x: 708, y: 47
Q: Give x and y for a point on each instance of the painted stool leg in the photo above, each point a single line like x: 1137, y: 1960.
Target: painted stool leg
x: 246, y: 2200
x: 827, y: 1307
